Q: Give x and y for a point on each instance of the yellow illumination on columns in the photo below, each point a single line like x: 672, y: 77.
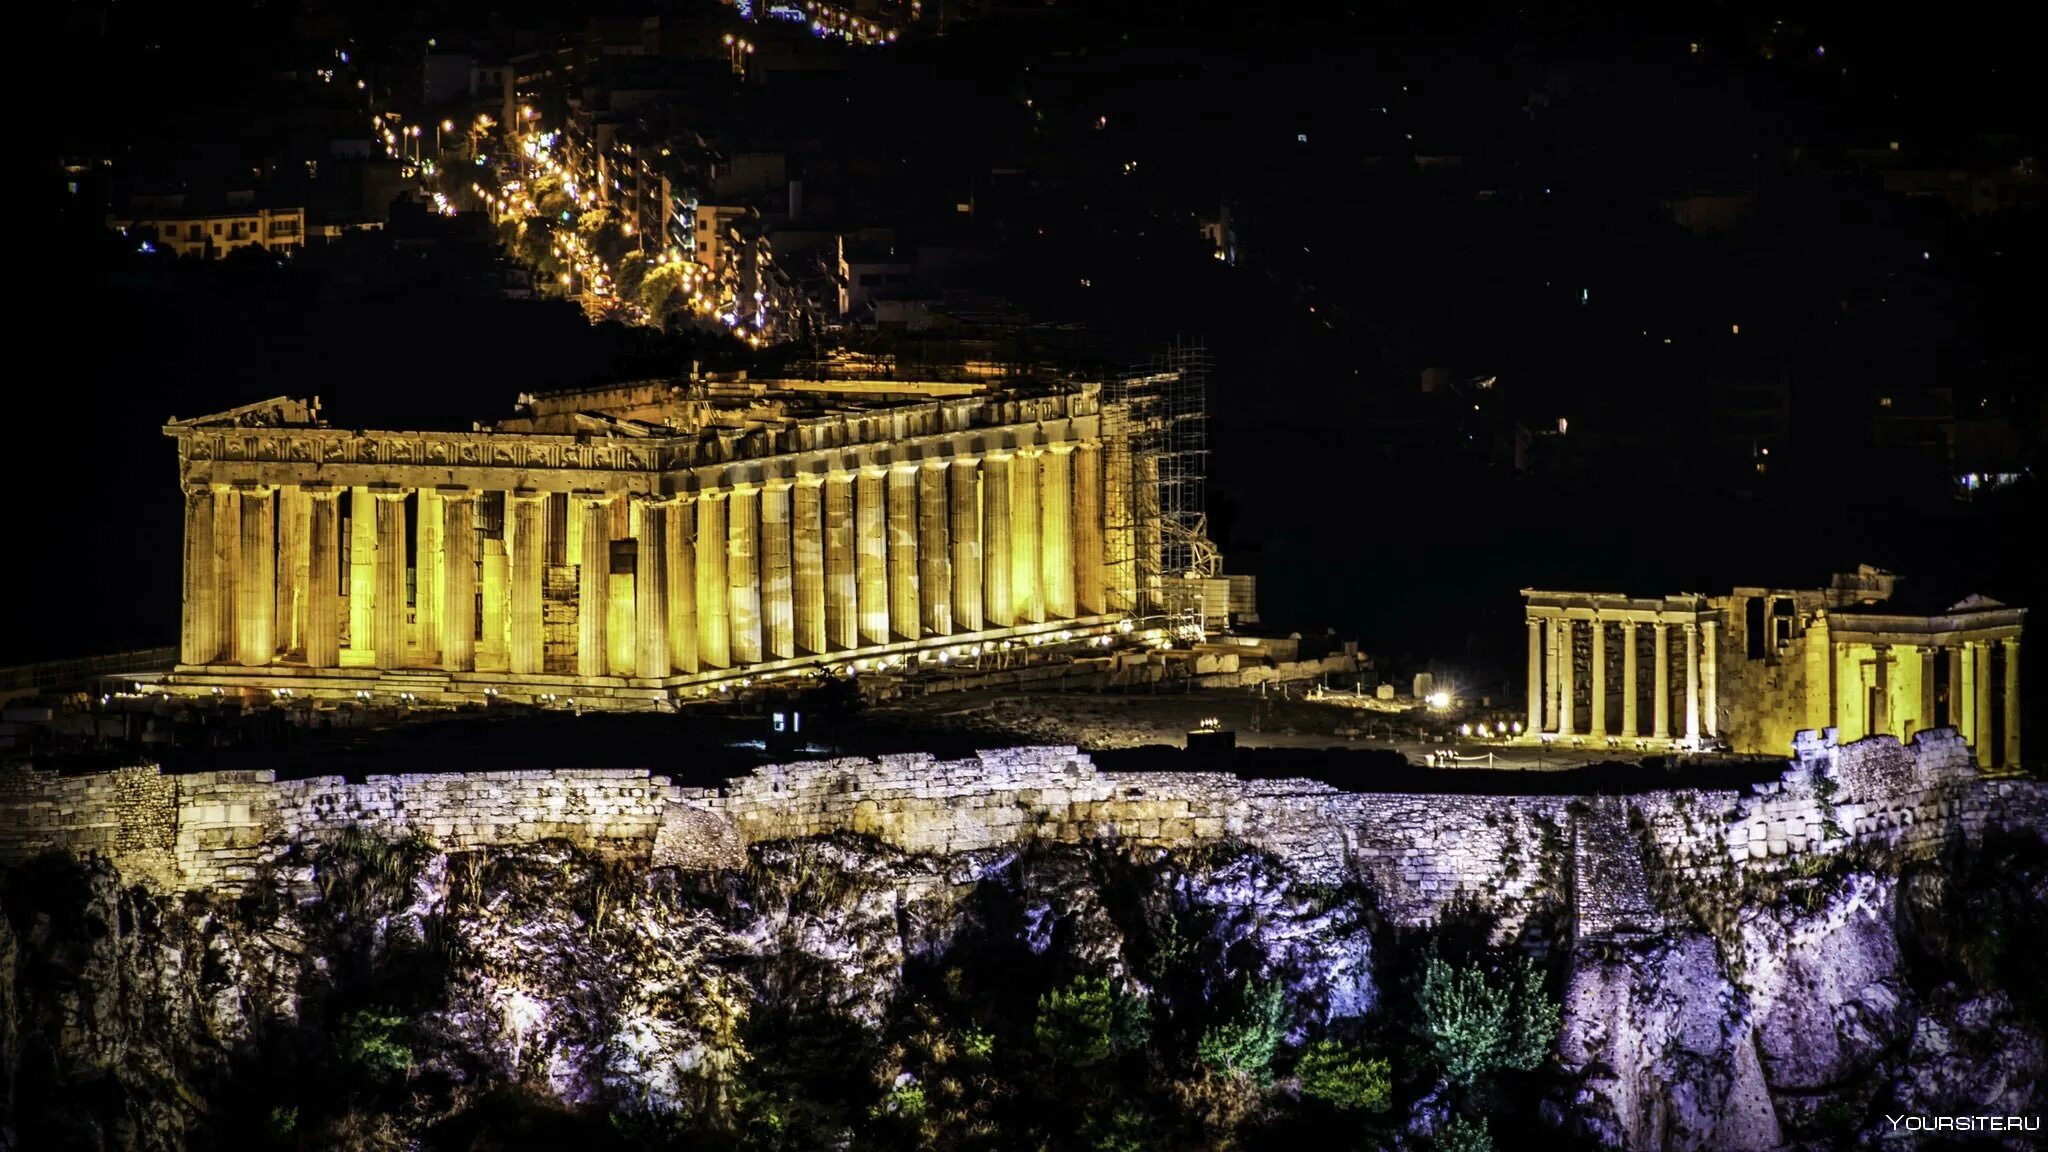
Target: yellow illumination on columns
x: 714, y: 630
x: 458, y: 579
x: 1089, y: 530
x: 1535, y: 723
x: 1567, y: 680
x: 1629, y: 690
x: 387, y: 628
x: 650, y: 590
x: 1551, y: 678
x: 199, y: 638
x: 871, y: 540
x: 1926, y: 694
x: 2012, y: 701
x: 227, y: 552
x: 527, y: 649
x: 255, y: 579
x: 682, y: 585
x: 934, y: 550
x: 1660, y: 704
x: 1027, y: 597
x: 1850, y: 702
x: 1881, y: 664
x: 427, y: 577
x: 291, y: 563
x: 323, y: 577
x: 1599, y: 628
x: 965, y: 494
x: 362, y: 569
x: 842, y: 587
x: 902, y: 551
x: 996, y: 611
x: 594, y: 579
x: 1710, y: 676
x: 494, y: 643
x: 1692, y: 683
x: 807, y: 542
x: 1056, y: 533
x: 1983, y: 706
x: 743, y: 573
x: 778, y: 578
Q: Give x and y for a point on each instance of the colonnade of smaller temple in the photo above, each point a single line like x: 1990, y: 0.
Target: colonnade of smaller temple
x: 644, y: 585
x: 1558, y: 707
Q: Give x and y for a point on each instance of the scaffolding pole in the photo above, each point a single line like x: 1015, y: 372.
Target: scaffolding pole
x: 1157, y: 428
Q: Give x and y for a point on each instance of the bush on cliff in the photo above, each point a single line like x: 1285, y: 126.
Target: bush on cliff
x: 1476, y: 1025
x: 1345, y: 1078
x: 1246, y: 1043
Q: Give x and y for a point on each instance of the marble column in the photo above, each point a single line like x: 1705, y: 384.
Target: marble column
x: 1849, y: 697
x: 427, y: 577
x: 1550, y: 674
x: 650, y: 591
x: 1660, y: 677
x: 996, y: 610
x: 458, y: 579
x: 362, y: 570
x: 1027, y: 597
x: 1567, y: 680
x: 1710, y: 677
x: 2011, y: 743
x: 1692, y: 683
x: 1629, y: 688
x: 681, y: 537
x: 1599, y: 729
x: 323, y: 577
x: 1056, y: 531
x: 227, y: 563
x: 871, y: 544
x: 1088, y: 530
x: 284, y: 604
x: 593, y: 584
x: 1926, y: 719
x: 778, y: 575
x: 902, y: 553
x: 934, y: 550
x: 199, y: 635
x: 807, y: 531
x: 714, y: 629
x: 387, y: 626
x: 1986, y: 732
x: 254, y: 579
x: 1881, y: 661
x: 1957, y: 708
x: 532, y: 531
x: 1535, y: 723
x: 966, y: 538
x: 743, y: 572
x: 842, y: 583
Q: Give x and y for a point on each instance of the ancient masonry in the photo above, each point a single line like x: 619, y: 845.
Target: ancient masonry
x: 633, y: 546
x: 221, y: 830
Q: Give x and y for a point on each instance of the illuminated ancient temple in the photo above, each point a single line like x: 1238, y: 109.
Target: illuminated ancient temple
x: 641, y: 544
x: 1751, y: 668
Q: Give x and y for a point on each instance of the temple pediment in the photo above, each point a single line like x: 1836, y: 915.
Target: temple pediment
x: 276, y: 412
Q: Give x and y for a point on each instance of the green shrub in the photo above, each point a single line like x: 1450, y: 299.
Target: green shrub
x: 1462, y: 1135
x: 1245, y: 1044
x: 1344, y: 1077
x: 379, y: 1043
x: 1073, y: 1026
x: 1475, y: 1026
x: 905, y: 1101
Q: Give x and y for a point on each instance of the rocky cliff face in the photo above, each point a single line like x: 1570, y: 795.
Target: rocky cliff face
x: 837, y: 993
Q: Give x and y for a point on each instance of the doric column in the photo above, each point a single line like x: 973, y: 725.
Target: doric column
x: 1599, y: 728
x: 1710, y: 676
x: 458, y: 578
x: 778, y: 576
x: 593, y: 584
x: 1982, y: 708
x: 1567, y: 679
x: 842, y: 579
x: 966, y: 536
x: 1849, y: 717
x: 362, y: 570
x: 227, y: 567
x: 743, y: 572
x: 683, y: 642
x: 714, y: 629
x: 1629, y: 688
x: 426, y: 579
x: 1660, y: 704
x: 1027, y: 597
x: 902, y: 552
x: 807, y: 531
x: 1550, y: 674
x: 1692, y: 683
x: 871, y: 545
x: 254, y: 579
x: 1119, y: 535
x: 1056, y: 532
x: 934, y: 550
x: 1962, y: 691
x: 387, y: 627
x: 996, y: 609
x: 650, y: 590
x: 524, y: 598
x: 1881, y: 662
x: 2012, y: 702
x: 1088, y: 530
x: 291, y: 565
x: 494, y: 634
x: 323, y: 577
x: 199, y: 634
x: 1535, y: 723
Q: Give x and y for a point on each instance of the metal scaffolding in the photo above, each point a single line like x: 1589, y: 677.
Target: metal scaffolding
x: 1159, y: 524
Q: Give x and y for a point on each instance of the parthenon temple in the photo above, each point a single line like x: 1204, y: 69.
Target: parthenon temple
x: 1750, y: 669
x: 637, y: 545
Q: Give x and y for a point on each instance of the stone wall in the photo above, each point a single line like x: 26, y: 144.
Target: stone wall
x: 1417, y: 852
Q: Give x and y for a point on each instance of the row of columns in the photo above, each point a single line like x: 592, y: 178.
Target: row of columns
x: 751, y: 573
x: 1553, y: 679
x: 1971, y: 693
